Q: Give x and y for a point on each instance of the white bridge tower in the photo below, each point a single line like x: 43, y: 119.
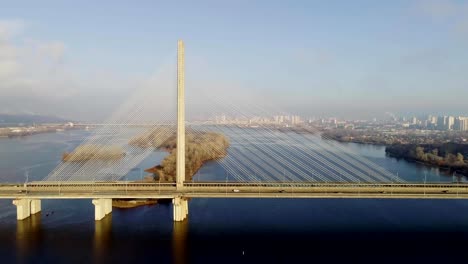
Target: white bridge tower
x: 180, y: 204
x: 180, y: 115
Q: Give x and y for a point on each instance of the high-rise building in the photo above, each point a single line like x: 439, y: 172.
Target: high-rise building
x: 295, y: 120
x: 457, y: 126
x: 464, y: 124
x: 441, y: 122
x: 450, y: 121
x: 461, y: 123
x: 279, y: 119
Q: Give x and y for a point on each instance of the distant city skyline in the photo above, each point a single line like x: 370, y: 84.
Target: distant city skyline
x: 356, y: 59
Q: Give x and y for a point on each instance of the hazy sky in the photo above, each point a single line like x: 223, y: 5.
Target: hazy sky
x: 80, y: 59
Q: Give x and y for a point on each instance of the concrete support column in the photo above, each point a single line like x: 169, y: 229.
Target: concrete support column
x: 35, y: 206
x: 102, y: 207
x: 108, y: 206
x: 180, y: 208
x: 23, y: 208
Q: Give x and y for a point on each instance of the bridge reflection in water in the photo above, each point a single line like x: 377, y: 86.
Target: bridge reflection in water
x: 102, y: 239
x: 29, y: 235
x: 32, y: 236
x: 179, y: 241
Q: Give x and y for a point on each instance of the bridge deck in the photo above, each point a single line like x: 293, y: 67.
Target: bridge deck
x: 135, y: 190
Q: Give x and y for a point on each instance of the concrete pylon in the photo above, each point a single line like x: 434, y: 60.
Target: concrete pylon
x: 180, y: 114
x: 26, y: 207
x: 102, y: 207
x: 180, y: 207
x: 23, y: 208
x: 35, y: 206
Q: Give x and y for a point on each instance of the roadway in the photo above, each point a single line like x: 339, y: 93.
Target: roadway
x: 139, y: 190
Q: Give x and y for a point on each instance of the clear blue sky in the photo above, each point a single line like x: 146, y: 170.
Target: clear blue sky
x: 313, y: 57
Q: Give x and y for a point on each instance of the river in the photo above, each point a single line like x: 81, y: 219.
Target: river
x: 226, y: 230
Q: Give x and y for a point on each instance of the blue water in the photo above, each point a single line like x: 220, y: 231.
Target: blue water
x: 227, y: 230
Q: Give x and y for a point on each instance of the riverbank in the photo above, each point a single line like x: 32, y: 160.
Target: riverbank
x: 132, y: 203
x: 94, y: 152
x: 449, y: 156
x: 390, y: 137
x: 22, y: 131
x: 200, y: 147
x: 445, y: 150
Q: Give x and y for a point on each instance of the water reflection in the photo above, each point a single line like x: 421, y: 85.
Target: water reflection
x: 29, y: 236
x: 102, y: 238
x: 179, y: 241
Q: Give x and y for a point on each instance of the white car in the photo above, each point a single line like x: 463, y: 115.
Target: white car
x: 235, y: 190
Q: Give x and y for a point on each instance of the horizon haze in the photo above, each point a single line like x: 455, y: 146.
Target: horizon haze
x: 357, y: 59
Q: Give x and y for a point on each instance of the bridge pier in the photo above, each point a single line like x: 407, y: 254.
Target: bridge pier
x: 35, y: 206
x: 102, y: 207
x: 26, y: 207
x: 180, y: 208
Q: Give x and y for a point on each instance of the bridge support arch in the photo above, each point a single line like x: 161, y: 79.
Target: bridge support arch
x: 180, y: 208
x: 102, y: 207
x: 26, y: 207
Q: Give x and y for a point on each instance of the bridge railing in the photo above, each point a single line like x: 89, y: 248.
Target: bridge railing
x: 232, y: 184
x: 220, y: 187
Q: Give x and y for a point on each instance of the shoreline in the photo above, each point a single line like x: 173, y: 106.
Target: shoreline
x: 427, y: 164
x: 20, y: 132
x: 458, y: 170
x: 132, y: 203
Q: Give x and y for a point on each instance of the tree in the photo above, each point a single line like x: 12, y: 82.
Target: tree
x: 420, y: 155
x: 450, y: 158
x: 199, y: 148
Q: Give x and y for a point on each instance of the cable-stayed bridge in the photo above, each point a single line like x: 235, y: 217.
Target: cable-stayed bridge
x: 261, y: 162
x: 27, y: 197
